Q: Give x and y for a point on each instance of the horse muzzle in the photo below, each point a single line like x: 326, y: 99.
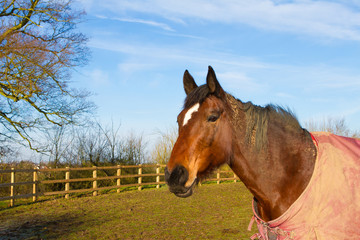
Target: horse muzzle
x: 176, y: 181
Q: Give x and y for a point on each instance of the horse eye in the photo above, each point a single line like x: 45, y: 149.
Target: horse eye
x: 213, y: 118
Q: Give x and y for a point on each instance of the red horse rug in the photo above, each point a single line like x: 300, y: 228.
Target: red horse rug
x: 329, y: 207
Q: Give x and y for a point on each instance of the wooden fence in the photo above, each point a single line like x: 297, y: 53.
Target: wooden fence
x: 158, y: 173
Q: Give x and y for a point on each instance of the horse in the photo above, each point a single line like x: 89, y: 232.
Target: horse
x: 277, y: 160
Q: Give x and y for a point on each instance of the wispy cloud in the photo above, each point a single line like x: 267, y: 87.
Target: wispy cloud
x: 99, y: 78
x: 131, y: 66
x: 150, y: 56
x: 285, y: 95
x: 139, y: 21
x: 343, y: 81
x: 238, y: 81
x: 322, y: 77
x: 237, y: 71
x: 331, y: 19
x: 146, y: 22
x: 185, y: 36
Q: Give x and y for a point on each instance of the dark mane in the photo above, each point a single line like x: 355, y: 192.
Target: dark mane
x: 198, y: 95
x: 257, y: 120
x: 257, y: 117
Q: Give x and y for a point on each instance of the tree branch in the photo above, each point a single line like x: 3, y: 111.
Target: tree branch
x: 24, y: 21
x: 38, y: 48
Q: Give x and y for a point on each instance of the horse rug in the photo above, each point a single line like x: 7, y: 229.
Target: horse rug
x: 329, y: 207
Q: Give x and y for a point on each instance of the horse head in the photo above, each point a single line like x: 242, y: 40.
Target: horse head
x: 204, y: 140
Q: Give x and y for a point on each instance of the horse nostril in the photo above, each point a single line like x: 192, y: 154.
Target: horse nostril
x: 178, y: 176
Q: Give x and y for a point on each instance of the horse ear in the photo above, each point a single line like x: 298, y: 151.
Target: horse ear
x: 212, y: 82
x: 189, y: 82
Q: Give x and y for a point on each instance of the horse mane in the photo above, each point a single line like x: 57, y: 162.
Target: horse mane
x: 257, y: 117
x: 257, y: 120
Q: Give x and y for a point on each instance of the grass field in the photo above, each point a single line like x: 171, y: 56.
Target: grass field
x: 213, y: 212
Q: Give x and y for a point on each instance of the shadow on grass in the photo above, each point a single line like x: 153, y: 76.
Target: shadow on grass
x: 37, y: 228
x: 27, y: 201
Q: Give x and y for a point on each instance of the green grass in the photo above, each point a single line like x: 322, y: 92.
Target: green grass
x: 213, y: 212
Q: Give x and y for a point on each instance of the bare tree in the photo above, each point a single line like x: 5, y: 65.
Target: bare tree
x: 132, y: 150
x: 39, y: 46
x: 99, y: 145
x: 88, y: 146
x: 333, y: 125
x: 113, y: 142
x: 58, y: 141
x: 163, y: 147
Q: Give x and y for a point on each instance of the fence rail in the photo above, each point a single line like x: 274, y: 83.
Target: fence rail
x: 158, y: 173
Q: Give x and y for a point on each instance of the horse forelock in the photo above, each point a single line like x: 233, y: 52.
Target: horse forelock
x: 198, y: 95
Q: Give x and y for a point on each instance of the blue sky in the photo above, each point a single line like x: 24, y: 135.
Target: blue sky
x: 301, y: 54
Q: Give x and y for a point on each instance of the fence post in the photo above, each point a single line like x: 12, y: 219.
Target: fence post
x: 12, y: 200
x: 67, y: 184
x: 139, y: 178
x: 35, y: 183
x: 158, y: 176
x: 118, y: 181
x: 218, y: 176
x: 235, y: 178
x: 95, y: 181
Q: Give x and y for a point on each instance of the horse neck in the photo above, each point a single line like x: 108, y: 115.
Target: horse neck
x: 275, y: 173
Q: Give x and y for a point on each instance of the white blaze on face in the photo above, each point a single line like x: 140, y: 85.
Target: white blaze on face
x: 189, y: 113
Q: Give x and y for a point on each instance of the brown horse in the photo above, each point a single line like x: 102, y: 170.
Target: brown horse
x: 265, y: 147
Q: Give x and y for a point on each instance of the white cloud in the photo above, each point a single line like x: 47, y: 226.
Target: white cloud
x: 114, y: 45
x: 99, y: 77
x: 337, y: 81
x: 146, y: 22
x: 332, y: 19
x: 185, y: 36
x: 323, y: 77
x: 240, y: 82
x: 285, y: 95
x: 140, y: 21
x: 129, y: 67
x: 152, y: 56
x: 86, y: 4
x: 237, y: 71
